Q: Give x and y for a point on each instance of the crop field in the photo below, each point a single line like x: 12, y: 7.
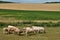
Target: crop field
x: 28, y: 15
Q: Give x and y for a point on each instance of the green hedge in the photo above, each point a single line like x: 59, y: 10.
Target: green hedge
x: 44, y: 24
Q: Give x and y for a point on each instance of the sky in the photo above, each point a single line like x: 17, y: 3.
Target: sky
x: 32, y: 1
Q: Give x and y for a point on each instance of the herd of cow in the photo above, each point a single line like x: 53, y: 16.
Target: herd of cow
x: 26, y: 30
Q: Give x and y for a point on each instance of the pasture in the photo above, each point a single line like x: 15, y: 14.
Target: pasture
x: 21, y: 17
x: 11, y: 16
x: 52, y: 33
x: 28, y: 15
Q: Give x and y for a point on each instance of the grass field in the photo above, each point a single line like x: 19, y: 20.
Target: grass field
x: 28, y: 15
x: 16, y: 16
x: 52, y: 33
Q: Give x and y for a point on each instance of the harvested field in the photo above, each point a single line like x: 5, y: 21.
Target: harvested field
x: 44, y: 7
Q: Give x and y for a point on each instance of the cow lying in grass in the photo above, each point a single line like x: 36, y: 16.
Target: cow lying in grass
x: 28, y: 30
x: 15, y: 30
x: 12, y: 29
x: 39, y: 29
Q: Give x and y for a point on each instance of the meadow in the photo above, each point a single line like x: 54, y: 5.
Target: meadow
x: 52, y: 33
x: 12, y: 16
x: 29, y: 15
x: 19, y: 17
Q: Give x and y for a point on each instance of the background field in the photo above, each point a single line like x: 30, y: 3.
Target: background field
x: 22, y: 6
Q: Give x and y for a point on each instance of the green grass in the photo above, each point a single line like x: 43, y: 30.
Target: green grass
x: 52, y: 33
x: 43, y: 24
x: 29, y: 15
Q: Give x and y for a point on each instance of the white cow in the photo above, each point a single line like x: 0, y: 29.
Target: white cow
x: 14, y: 29
x: 28, y: 30
x: 38, y: 29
